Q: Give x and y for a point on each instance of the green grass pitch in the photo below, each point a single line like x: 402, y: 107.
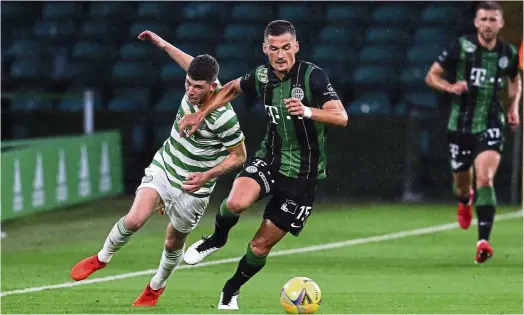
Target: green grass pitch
x: 429, y: 273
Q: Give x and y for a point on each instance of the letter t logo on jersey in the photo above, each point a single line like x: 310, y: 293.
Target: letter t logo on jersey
x: 478, y: 75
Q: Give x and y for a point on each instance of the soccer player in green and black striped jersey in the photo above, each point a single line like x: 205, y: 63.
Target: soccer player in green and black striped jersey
x: 300, y: 104
x: 181, y: 176
x: 479, y: 66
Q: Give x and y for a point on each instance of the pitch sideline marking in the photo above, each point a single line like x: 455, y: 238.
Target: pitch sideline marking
x: 314, y: 248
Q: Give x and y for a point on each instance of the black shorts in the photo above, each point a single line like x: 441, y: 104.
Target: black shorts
x: 464, y: 148
x: 291, y: 200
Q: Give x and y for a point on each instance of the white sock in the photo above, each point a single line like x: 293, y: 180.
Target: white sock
x: 168, y: 264
x: 117, y: 238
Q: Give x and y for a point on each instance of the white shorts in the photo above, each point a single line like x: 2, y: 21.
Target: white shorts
x: 184, y: 210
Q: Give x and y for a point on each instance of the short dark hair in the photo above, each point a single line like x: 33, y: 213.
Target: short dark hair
x: 203, y: 68
x: 490, y: 6
x: 279, y: 27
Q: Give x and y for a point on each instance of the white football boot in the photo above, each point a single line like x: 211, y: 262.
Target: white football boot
x: 232, y: 304
x: 199, y: 250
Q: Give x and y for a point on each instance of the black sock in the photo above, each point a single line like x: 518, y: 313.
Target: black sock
x: 224, y: 221
x: 485, y: 216
x: 248, y: 266
x: 462, y: 199
x: 485, y: 207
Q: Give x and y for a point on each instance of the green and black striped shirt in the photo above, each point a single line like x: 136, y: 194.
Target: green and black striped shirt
x: 485, y: 71
x: 293, y: 146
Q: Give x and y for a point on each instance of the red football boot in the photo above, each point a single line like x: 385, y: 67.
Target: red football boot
x: 86, y: 267
x: 149, y: 297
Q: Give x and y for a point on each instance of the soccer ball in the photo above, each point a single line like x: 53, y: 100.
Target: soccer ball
x: 300, y: 295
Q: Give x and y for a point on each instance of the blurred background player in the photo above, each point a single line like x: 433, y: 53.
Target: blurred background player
x: 300, y: 104
x: 181, y: 177
x: 479, y: 65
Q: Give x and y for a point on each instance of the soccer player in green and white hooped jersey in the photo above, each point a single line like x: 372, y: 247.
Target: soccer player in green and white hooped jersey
x: 479, y: 64
x: 181, y: 176
x: 300, y: 103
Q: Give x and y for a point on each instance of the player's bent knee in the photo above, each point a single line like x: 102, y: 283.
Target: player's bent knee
x: 236, y: 205
x: 260, y: 246
x: 134, y: 222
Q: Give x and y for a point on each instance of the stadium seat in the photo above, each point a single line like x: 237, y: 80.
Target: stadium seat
x: 107, y: 10
x: 129, y: 99
x: 372, y: 78
x: 227, y: 51
x: 171, y: 100
x: 350, y: 13
x: 195, y: 48
x: 158, y: 11
x: 133, y: 73
x: 88, y: 50
x: 230, y: 70
x: 162, y: 29
x: 197, y: 31
x: 246, y: 33
x: 381, y: 55
x: 376, y: 103
x: 413, y: 77
x: 398, y: 14
x: 440, y: 14
x: 139, y: 51
x: 55, y: 30
x: 423, y: 54
x: 421, y: 99
x: 205, y: 11
x: 84, y: 73
x: 386, y: 35
x: 23, y: 48
x: 433, y: 34
x: 400, y: 109
x: 74, y: 100
x: 27, y: 100
x: 337, y: 74
x: 340, y: 34
x: 334, y: 53
x: 17, y: 13
x: 61, y: 10
x: 23, y: 69
x: 102, y: 31
x: 172, y: 72
x: 301, y: 13
x: 252, y: 12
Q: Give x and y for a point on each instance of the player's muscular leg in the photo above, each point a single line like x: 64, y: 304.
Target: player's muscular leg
x: 244, y: 193
x: 146, y: 201
x: 266, y: 237
x: 463, y: 182
x: 174, y: 239
x: 486, y: 165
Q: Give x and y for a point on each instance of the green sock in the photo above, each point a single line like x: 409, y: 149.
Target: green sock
x: 224, y: 222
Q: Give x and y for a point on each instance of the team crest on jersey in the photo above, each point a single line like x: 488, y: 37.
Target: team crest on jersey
x: 147, y: 179
x: 262, y: 75
x: 468, y: 46
x: 251, y: 169
x: 297, y: 93
x: 503, y: 62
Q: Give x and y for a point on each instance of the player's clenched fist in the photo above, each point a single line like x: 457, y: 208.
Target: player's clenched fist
x: 294, y: 106
x: 194, y: 181
x: 459, y: 87
x: 152, y: 37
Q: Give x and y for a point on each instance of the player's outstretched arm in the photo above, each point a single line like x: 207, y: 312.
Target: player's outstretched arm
x: 237, y: 156
x: 180, y: 57
x: 226, y: 94
x: 332, y: 112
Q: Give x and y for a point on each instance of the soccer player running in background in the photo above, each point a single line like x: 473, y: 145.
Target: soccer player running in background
x: 300, y: 103
x: 181, y: 176
x: 479, y: 65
